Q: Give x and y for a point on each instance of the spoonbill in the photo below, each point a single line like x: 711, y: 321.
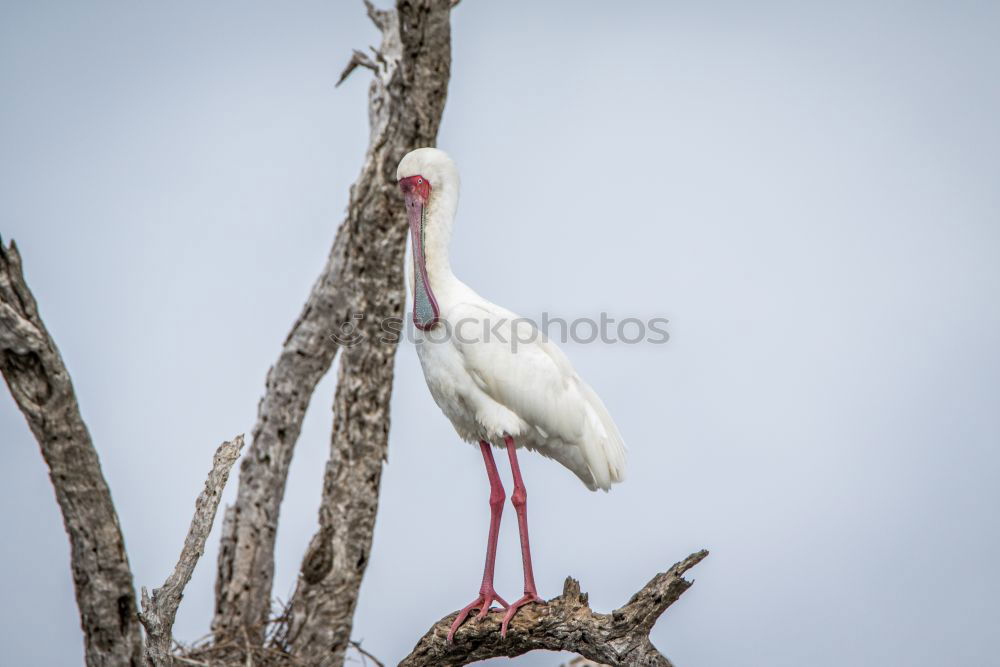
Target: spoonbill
x: 498, y: 381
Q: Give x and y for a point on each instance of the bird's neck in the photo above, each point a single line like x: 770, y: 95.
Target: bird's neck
x: 437, y: 237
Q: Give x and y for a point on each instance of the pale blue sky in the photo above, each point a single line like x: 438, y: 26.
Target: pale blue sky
x: 807, y: 190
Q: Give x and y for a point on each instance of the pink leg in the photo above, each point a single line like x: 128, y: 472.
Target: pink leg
x: 520, y: 500
x: 486, y: 593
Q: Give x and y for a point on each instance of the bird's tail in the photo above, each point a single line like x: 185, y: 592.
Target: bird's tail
x: 603, y: 445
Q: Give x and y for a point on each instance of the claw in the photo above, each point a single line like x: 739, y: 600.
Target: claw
x: 483, y: 604
x: 512, y: 609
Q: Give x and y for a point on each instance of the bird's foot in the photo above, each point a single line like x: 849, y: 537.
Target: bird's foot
x: 482, y: 603
x: 512, y: 609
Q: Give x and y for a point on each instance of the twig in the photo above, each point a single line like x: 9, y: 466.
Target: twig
x: 160, y: 609
x: 565, y: 623
x: 378, y: 16
x: 365, y: 655
x: 358, y: 59
x: 247, y: 648
x: 189, y: 661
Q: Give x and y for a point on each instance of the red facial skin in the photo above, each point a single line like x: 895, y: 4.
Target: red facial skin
x: 416, y: 187
x: 416, y: 193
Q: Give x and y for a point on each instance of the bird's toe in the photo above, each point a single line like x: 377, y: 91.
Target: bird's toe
x: 528, y: 598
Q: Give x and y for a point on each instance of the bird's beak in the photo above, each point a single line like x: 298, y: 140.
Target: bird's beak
x: 425, y: 306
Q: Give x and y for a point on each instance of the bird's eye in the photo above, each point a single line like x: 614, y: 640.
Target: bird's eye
x: 420, y: 181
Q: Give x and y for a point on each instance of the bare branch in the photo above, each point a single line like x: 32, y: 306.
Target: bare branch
x: 379, y: 17
x: 363, y: 275
x: 358, y: 59
x: 160, y: 609
x: 565, y: 623
x: 246, y: 561
x: 365, y: 655
x: 41, y: 386
x: 188, y: 661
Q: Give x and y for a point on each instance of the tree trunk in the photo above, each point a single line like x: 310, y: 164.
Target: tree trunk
x: 407, y: 98
x: 363, y: 277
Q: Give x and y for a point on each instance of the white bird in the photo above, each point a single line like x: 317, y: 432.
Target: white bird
x: 493, y: 374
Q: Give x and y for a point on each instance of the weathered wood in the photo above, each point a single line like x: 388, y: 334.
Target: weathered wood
x: 406, y: 100
x: 160, y: 609
x: 362, y: 276
x: 41, y: 386
x: 565, y: 623
x: 246, y: 566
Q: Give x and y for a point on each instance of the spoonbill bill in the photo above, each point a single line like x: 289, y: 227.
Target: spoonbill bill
x: 493, y: 375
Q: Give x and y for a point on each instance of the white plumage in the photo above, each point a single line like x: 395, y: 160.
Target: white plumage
x: 515, y: 383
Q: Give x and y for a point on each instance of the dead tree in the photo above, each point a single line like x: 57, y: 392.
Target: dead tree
x: 363, y: 277
x: 359, y: 289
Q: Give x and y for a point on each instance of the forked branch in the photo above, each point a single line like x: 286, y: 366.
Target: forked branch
x: 565, y: 623
x: 160, y: 609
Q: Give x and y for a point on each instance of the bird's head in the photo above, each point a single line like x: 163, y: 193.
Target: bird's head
x: 428, y: 180
x: 425, y: 172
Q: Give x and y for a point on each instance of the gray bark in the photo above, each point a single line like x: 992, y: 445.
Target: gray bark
x: 41, y: 386
x: 363, y: 275
x: 246, y: 561
x: 565, y: 623
x: 406, y: 100
x: 160, y: 609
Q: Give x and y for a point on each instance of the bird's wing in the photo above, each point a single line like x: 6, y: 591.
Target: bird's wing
x: 513, y: 363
